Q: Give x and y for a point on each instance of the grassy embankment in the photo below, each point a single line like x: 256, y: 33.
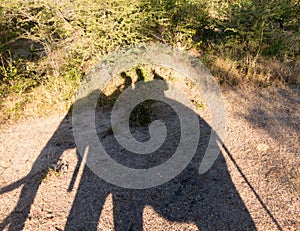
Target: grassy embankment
x: 48, y: 46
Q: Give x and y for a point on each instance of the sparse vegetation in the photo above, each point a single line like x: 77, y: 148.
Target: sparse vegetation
x: 48, y: 46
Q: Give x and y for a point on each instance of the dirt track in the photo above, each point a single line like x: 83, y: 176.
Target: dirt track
x: 255, y: 184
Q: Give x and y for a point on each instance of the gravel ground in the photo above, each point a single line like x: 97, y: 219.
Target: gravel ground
x: 253, y: 185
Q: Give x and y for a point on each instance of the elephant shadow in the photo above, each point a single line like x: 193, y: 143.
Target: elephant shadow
x: 210, y: 200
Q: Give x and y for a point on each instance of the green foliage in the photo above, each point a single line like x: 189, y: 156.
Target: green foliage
x: 260, y: 26
x: 54, y: 43
x: 176, y: 21
x: 16, y: 76
x: 253, y: 35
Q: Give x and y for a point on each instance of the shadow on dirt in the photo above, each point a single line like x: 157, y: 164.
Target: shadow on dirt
x: 211, y: 200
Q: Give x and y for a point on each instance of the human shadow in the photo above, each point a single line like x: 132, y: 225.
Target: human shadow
x: 211, y: 200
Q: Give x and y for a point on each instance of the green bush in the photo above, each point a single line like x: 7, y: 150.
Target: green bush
x: 260, y: 26
x: 54, y: 43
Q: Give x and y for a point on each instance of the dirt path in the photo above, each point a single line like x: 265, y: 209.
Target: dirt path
x: 255, y: 184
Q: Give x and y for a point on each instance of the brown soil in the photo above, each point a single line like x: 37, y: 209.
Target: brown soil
x: 254, y: 185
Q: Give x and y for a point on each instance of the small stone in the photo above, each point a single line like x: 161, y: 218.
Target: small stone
x: 5, y: 163
x: 262, y: 147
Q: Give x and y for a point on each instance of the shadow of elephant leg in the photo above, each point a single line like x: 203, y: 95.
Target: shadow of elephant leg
x: 128, y: 211
x: 88, y: 202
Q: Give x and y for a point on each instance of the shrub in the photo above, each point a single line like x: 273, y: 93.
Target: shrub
x: 52, y: 44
